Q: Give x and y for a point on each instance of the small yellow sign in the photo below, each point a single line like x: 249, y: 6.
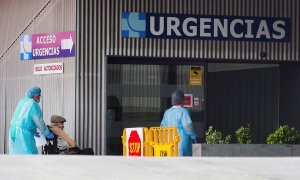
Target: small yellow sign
x: 196, y: 75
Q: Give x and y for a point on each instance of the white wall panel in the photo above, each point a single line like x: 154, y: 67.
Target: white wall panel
x: 58, y: 90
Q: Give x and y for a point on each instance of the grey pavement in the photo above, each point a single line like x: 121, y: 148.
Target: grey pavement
x: 56, y: 167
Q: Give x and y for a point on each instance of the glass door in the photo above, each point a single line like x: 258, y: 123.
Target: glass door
x: 138, y: 95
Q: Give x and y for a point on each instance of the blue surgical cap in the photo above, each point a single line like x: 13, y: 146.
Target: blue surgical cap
x: 177, y: 97
x: 33, y: 92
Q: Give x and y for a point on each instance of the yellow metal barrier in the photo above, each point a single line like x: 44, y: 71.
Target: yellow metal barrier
x: 157, y: 141
x: 163, y: 141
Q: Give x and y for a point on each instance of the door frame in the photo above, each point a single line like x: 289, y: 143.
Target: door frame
x: 145, y: 61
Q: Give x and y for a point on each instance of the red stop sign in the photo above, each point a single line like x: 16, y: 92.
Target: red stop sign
x: 134, y: 144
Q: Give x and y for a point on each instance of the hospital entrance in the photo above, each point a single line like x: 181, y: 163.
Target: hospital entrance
x: 139, y: 90
x: 223, y: 95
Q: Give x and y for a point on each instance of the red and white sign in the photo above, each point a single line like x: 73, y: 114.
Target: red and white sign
x: 134, y: 141
x: 51, y: 68
x: 188, y: 100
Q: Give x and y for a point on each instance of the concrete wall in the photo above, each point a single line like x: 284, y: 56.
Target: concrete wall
x: 246, y: 150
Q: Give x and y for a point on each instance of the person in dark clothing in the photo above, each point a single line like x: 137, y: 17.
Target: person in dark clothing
x: 65, y: 144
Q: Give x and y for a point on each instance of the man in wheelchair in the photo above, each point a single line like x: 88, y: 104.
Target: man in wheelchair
x: 62, y: 143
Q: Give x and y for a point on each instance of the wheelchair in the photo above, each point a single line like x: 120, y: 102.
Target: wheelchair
x: 51, y: 148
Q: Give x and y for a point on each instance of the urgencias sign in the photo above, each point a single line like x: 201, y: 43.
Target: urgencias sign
x: 205, y: 27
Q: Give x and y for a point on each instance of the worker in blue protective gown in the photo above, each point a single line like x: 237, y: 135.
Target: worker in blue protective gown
x: 26, y: 119
x: 179, y: 117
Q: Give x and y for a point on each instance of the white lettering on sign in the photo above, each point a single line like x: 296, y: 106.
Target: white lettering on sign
x: 46, y: 51
x: 161, y: 26
x: 172, y: 24
x: 189, y: 30
x: 279, y: 30
x: 52, y: 68
x: 233, y: 27
x: 205, y: 25
x: 249, y: 33
x: 218, y: 27
x: 50, y: 39
x: 222, y: 27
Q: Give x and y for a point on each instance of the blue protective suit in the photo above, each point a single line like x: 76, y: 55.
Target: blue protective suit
x: 179, y: 117
x: 26, y: 119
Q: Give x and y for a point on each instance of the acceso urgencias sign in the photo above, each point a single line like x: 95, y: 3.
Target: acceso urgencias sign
x: 47, y: 45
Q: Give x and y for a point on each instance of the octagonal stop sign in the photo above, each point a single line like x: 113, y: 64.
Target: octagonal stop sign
x: 134, y: 144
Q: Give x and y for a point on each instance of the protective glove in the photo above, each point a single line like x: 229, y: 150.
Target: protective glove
x: 194, y: 141
x: 50, y: 136
x: 36, y: 134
